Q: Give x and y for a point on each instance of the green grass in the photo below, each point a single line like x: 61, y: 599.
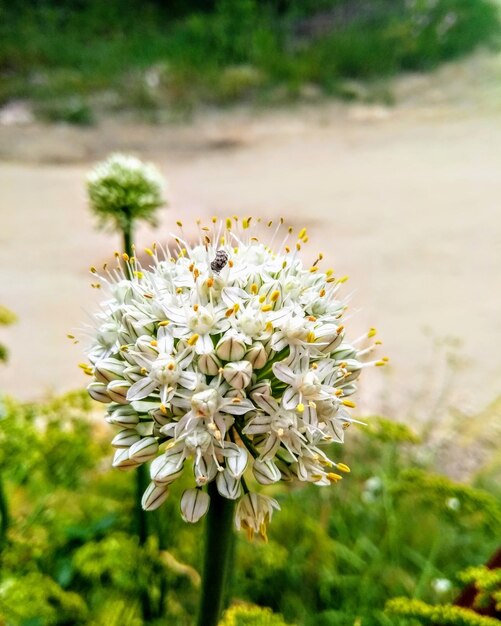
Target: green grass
x: 153, y: 58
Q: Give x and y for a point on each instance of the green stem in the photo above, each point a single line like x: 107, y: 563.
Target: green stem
x: 4, y: 515
x: 218, y: 546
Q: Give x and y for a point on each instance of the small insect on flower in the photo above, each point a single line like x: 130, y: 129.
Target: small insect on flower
x: 220, y: 260
x: 240, y: 377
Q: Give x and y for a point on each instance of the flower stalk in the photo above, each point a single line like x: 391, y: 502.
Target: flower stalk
x: 219, y: 537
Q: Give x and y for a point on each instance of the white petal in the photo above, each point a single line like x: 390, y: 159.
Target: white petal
x: 266, y: 472
x: 194, y: 504
x: 237, y: 463
x: 204, y: 345
x: 284, y: 373
x: 125, y: 438
x: 141, y: 389
x: 290, y: 399
x: 267, y: 403
x: 188, y: 380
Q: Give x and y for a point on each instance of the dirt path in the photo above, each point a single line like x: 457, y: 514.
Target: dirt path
x: 406, y: 201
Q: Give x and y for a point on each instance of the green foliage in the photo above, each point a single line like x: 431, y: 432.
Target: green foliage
x: 36, y: 600
x: 248, y: 615
x: 487, y: 584
x: 229, y: 51
x: 7, y: 317
x: 439, y: 615
x: 335, y: 555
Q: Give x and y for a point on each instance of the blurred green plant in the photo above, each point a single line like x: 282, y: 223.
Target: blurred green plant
x: 225, y: 50
x: 334, y: 557
x: 7, y: 317
x: 248, y: 615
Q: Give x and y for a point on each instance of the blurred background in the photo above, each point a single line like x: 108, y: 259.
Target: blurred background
x: 374, y: 123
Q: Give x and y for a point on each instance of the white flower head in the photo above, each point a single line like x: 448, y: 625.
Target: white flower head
x: 229, y: 357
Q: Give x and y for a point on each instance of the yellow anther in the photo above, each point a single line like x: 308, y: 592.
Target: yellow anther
x: 313, y: 269
x: 262, y: 299
x: 144, y: 371
x: 180, y: 224
x: 171, y: 366
x: 196, y: 273
x: 280, y: 432
x: 339, y: 329
x: 179, y: 290
x: 385, y: 359
x: 164, y: 323
x: 311, y: 318
x: 193, y: 339
x: 371, y: 333
x: 229, y: 312
x: 149, y: 251
x: 266, y: 307
x: 254, y: 239
x: 95, y: 285
x: 254, y: 288
x: 301, y: 233
x: 163, y: 409
x: 214, y: 219
x: 380, y: 363
x: 343, y: 279
x: 138, y: 274
x: 329, y: 272
x: 287, y: 249
x: 343, y: 468
x: 378, y: 343
x: 235, y: 249
x: 310, y: 337
x: 275, y: 296
x: 228, y: 223
x: 209, y: 282
x: 334, y: 478
x: 322, y: 293
x: 196, y: 307
x: 300, y: 408
x: 150, y: 296
x: 154, y: 343
x: 346, y: 425
x: 70, y: 336
x: 236, y: 307
x: 338, y: 392
x: 230, y: 263
x: 269, y: 327
x: 93, y: 270
x: 349, y: 403
x: 125, y: 256
x: 246, y: 222
x: 306, y: 239
x: 314, y: 366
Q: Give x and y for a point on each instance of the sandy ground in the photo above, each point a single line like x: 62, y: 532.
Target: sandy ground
x: 405, y: 200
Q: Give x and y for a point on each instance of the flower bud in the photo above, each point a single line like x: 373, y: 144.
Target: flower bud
x: 266, y: 472
x: 227, y: 485
x: 123, y: 415
x: 209, y: 364
x: 344, y: 352
x: 133, y: 373
x: 126, y: 438
x: 117, y: 390
x: 144, y: 450
x: 236, y: 460
x: 194, y: 505
x: 238, y: 374
x: 154, y: 496
x: 166, y: 468
x: 135, y: 324
x: 263, y: 388
x: 97, y: 391
x: 230, y: 348
x: 354, y: 367
x: 257, y: 356
x: 122, y: 460
x: 107, y: 370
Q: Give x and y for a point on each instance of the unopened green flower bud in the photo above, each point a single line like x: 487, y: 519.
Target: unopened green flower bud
x: 122, y: 460
x: 266, y: 472
x: 123, y: 415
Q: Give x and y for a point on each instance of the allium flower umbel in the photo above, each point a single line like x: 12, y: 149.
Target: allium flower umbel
x: 123, y: 189
x: 230, y: 357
